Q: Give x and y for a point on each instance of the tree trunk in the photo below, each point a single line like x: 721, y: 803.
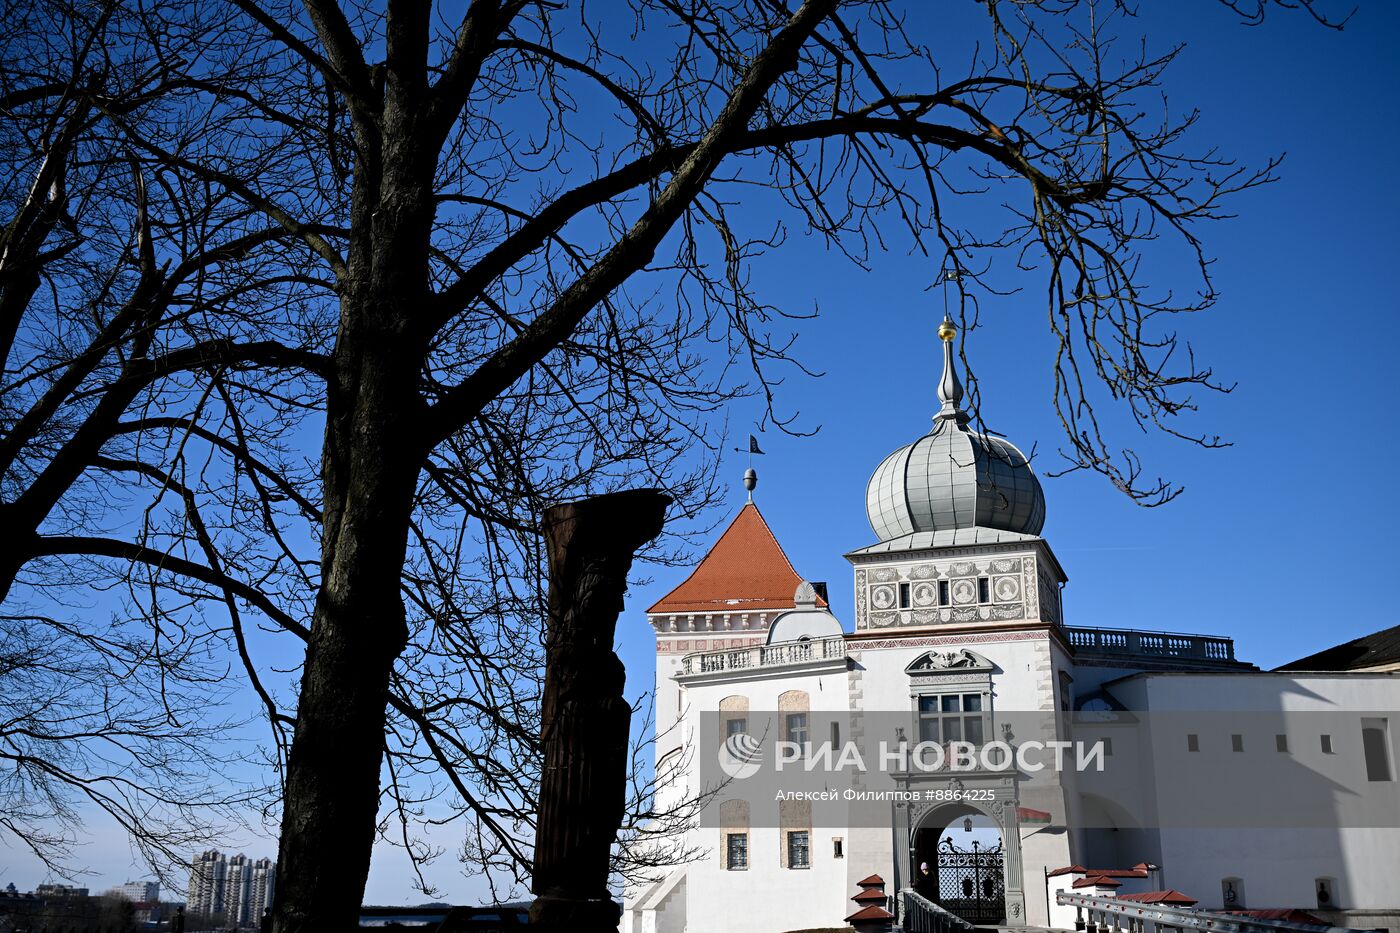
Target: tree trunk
x: 584, y: 718
x: 373, y: 451
x: 370, y: 466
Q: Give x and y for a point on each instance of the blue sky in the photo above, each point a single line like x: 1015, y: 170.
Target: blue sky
x: 1279, y: 541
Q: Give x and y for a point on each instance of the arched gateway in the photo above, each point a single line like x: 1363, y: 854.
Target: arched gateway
x: 960, y: 864
x: 966, y: 857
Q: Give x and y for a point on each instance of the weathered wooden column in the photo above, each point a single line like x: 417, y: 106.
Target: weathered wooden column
x: 585, y: 720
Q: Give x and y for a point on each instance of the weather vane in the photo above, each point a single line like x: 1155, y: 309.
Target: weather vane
x: 750, y: 476
x: 949, y: 275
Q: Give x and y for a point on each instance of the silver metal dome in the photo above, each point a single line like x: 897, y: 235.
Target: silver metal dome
x: 953, y: 477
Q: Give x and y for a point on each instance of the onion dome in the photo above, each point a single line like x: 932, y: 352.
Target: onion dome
x: 954, y: 478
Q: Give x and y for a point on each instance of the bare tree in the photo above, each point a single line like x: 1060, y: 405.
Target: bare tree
x: 86, y: 721
x: 491, y: 264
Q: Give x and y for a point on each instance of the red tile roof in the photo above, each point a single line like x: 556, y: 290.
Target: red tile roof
x: 1134, y: 872
x: 1286, y: 914
x: 1097, y: 881
x: 745, y: 569
x: 871, y: 882
x: 1174, y: 898
x: 869, y: 894
x: 867, y: 914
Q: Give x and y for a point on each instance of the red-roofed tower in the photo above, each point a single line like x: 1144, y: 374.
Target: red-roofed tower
x: 729, y: 601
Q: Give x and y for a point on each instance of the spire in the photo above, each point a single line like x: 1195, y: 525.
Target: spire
x: 750, y: 481
x: 950, y: 390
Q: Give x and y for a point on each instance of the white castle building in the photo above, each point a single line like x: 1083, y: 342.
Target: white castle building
x: 1228, y: 786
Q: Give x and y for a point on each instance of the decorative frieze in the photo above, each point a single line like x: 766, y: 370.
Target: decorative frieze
x: 961, y: 589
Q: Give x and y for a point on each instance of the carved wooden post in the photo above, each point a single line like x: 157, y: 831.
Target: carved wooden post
x: 584, y: 719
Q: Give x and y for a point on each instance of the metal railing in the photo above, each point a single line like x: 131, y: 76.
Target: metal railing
x: 1151, y: 644
x: 921, y: 915
x: 1127, y: 916
x: 783, y: 654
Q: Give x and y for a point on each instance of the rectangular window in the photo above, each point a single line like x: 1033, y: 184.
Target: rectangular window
x: 1236, y: 743
x: 799, y: 854
x: 835, y: 736
x: 984, y: 590
x: 1375, y: 745
x: 943, y: 598
x: 838, y: 848
x: 1107, y: 746
x: 1326, y: 744
x: 904, y: 596
x: 1193, y: 742
x: 1281, y: 742
x: 795, y: 728
x: 951, y: 717
x: 735, y: 726
x: 736, y: 855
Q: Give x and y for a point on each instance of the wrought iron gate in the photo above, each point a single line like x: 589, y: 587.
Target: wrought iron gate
x: 971, y: 882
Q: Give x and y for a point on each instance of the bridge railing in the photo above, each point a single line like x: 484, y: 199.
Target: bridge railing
x: 921, y: 915
x: 1114, y: 915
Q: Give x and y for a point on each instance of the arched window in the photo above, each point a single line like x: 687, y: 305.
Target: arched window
x: 733, y: 716
x: 734, y: 834
x: 794, y: 710
x: 795, y: 833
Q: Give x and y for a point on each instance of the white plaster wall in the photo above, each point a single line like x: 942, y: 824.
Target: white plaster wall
x: 1280, y: 866
x: 767, y: 898
x: 1019, y: 657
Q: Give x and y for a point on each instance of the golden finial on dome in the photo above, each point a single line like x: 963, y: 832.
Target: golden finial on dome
x: 947, y: 331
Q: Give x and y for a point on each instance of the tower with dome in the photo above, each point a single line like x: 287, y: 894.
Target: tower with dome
x: 957, y: 640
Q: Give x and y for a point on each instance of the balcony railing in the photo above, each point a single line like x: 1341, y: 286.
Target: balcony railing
x: 784, y: 654
x: 1151, y: 644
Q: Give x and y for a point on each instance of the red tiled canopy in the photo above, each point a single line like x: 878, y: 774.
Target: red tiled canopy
x: 869, y: 894
x: 1100, y: 881
x: 746, y: 569
x: 1117, y: 872
x: 1173, y: 898
x: 1286, y: 914
x: 866, y: 914
x: 871, y: 881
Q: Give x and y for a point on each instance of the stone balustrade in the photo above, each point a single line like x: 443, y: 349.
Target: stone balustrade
x: 783, y: 654
x: 1133, y: 643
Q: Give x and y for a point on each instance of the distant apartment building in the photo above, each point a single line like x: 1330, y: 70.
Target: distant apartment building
x: 237, y: 887
x: 261, y: 884
x: 59, y: 890
x: 139, y: 892
x: 236, y: 890
x: 208, y: 876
